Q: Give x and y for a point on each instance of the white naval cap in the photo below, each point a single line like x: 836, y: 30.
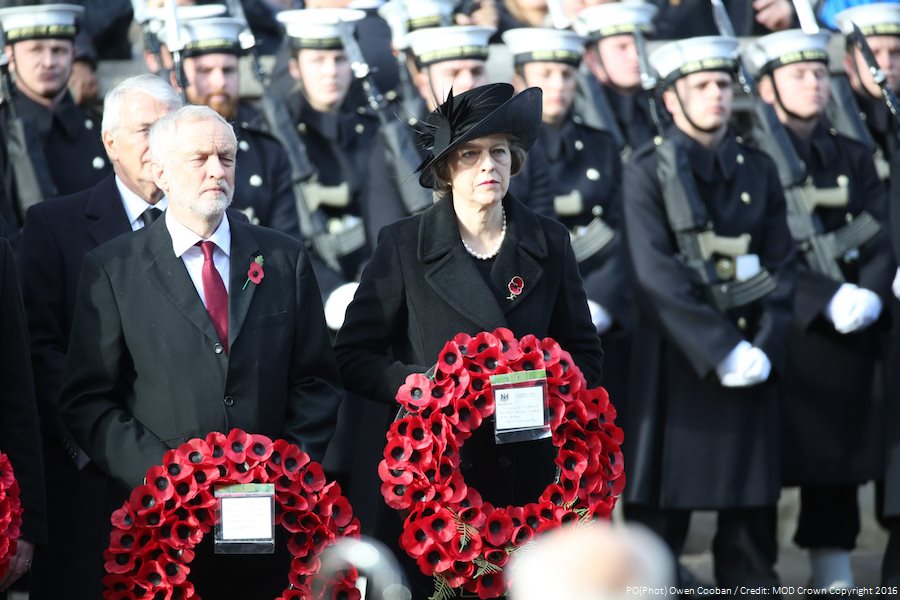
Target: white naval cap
x: 58, y: 21
x: 542, y: 44
x: 317, y: 28
x: 186, y: 13
x: 404, y: 16
x: 615, y: 18
x: 879, y: 18
x: 460, y: 42
x: 786, y: 47
x: 212, y: 36
x: 683, y: 57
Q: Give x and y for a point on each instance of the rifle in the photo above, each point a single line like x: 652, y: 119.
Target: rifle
x: 853, y: 33
x: 173, y: 42
x: 414, y: 197
x: 31, y: 179
x: 697, y: 242
x: 806, y: 228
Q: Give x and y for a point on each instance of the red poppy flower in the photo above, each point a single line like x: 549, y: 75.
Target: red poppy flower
x: 255, y: 273
x: 490, y: 585
x: 177, y: 465
x: 395, y: 495
x: 450, y: 359
x: 415, y: 393
x: 551, y: 351
x: 497, y: 528
x: 306, y: 565
x: 414, y: 538
x: 237, y: 444
x: 496, y: 556
x: 469, y: 551
x: 287, y: 459
x: 216, y: 441
x: 434, y: 560
x: 522, y: 535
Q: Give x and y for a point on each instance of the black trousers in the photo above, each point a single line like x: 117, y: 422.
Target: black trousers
x: 829, y: 516
x: 745, y: 547
x: 890, y: 566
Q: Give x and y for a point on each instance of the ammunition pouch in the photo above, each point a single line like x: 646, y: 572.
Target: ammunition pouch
x: 594, y: 238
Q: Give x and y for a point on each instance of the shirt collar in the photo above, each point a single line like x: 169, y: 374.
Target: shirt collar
x: 135, y: 205
x: 183, y: 239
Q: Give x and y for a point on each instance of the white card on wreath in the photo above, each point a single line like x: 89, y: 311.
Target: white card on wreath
x: 519, y: 407
x: 246, y: 518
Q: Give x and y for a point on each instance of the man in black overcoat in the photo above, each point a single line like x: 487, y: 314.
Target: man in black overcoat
x: 57, y: 235
x: 163, y: 350
x: 19, y: 426
x: 715, y: 304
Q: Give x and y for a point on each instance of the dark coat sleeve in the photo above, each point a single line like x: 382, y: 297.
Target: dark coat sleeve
x: 373, y: 325
x: 877, y: 266
x: 96, y: 368
x: 315, y: 388
x: 20, y: 436
x: 42, y: 279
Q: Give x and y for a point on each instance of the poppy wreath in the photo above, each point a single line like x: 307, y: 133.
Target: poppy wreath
x: 155, y: 531
x: 10, y: 513
x: 455, y: 536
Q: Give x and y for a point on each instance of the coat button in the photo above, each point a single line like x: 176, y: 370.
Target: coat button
x: 98, y: 163
x: 229, y: 401
x: 243, y: 145
x: 504, y: 462
x: 218, y: 348
x: 742, y: 323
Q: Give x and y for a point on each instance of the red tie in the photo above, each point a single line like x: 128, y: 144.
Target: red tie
x: 214, y: 293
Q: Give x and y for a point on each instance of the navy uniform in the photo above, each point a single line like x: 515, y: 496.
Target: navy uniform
x: 63, y: 141
x: 882, y: 22
x: 626, y: 114
x: 702, y: 422
x: 830, y: 361
x: 385, y: 202
x: 262, y: 183
x: 586, y: 173
x: 338, y: 145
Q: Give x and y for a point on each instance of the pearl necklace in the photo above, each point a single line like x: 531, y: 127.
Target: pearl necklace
x: 481, y: 256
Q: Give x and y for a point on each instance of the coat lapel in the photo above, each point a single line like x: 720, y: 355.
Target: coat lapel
x: 457, y: 281
x: 520, y: 255
x: 243, y: 250
x: 168, y: 272
x: 105, y: 211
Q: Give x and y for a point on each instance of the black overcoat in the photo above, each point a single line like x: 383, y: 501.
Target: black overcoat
x: 421, y: 288
x: 146, y: 372
x: 56, y: 236
x: 19, y: 427
x: 690, y: 442
x: 831, y: 420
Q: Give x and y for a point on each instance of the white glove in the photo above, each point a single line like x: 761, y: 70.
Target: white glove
x: 600, y: 316
x: 853, y: 308
x: 895, y: 287
x: 337, y: 303
x: 744, y: 366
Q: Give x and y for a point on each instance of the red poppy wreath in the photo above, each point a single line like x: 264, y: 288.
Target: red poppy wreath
x: 10, y: 514
x: 455, y: 536
x: 155, y: 531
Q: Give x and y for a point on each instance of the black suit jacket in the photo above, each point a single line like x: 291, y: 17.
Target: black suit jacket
x: 146, y: 371
x: 19, y: 430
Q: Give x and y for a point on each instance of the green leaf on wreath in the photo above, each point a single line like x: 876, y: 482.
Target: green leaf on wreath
x: 484, y: 566
x: 442, y: 589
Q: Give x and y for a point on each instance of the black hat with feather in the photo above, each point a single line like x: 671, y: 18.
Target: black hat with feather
x: 482, y: 111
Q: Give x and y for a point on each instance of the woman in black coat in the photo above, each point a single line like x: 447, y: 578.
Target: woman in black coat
x: 447, y: 270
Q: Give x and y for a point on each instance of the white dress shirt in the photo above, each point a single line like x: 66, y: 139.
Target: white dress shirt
x: 184, y: 243
x: 135, y: 205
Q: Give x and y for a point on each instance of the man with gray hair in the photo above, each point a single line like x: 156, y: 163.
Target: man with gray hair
x: 56, y: 236
x: 198, y: 323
